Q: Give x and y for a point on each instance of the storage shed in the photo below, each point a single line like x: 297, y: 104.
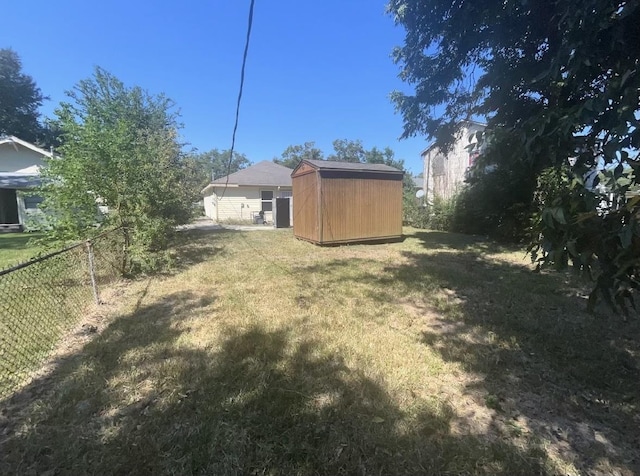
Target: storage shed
x: 343, y: 202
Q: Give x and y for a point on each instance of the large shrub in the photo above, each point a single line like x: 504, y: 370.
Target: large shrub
x: 495, y: 202
x: 437, y: 215
x: 121, y: 152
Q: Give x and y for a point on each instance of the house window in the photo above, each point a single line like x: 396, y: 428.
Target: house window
x: 31, y: 202
x: 266, y: 196
x: 285, y: 194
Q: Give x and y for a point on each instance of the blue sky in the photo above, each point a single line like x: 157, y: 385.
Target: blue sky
x: 316, y: 71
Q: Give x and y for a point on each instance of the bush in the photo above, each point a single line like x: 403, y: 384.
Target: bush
x: 441, y: 213
x: 435, y: 216
x: 122, y: 154
x: 413, y: 213
x: 496, y: 205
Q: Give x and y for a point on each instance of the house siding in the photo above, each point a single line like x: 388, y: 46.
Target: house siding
x: 15, y: 158
x: 12, y: 160
x: 238, y: 203
x: 445, y: 174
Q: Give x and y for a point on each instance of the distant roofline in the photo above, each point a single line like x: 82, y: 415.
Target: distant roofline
x: 236, y: 185
x: 18, y: 174
x: 222, y: 181
x: 15, y: 140
x: 466, y: 121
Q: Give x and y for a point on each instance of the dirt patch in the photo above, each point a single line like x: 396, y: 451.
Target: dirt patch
x: 515, y: 412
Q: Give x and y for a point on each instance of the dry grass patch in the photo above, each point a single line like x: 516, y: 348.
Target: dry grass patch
x: 262, y: 354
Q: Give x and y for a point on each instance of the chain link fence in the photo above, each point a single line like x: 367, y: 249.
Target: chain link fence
x: 42, y: 299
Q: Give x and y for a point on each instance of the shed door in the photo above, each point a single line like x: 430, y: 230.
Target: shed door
x: 282, y: 213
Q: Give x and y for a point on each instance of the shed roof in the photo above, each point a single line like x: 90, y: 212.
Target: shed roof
x: 18, y: 181
x: 330, y: 165
x: 265, y: 173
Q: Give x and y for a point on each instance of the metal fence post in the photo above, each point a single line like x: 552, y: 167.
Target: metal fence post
x: 92, y: 272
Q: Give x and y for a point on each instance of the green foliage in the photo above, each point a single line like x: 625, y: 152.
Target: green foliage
x: 413, y: 210
x: 345, y: 150
x: 348, y: 151
x: 593, y: 228
x: 120, y: 151
x: 481, y: 210
x: 20, y: 99
x: 214, y: 164
x: 497, y: 200
x: 293, y: 154
x: 556, y: 81
x: 437, y: 215
x: 442, y: 213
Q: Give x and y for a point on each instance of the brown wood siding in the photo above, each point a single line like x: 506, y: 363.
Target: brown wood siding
x: 360, y: 209
x: 305, y: 206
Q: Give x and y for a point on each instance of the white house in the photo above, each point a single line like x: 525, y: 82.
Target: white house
x: 444, y: 173
x: 248, y: 193
x: 20, y: 163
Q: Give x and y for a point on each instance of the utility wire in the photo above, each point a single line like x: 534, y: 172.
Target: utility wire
x: 235, y: 127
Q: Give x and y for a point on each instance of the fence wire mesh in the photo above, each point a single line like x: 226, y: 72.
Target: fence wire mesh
x: 41, y: 300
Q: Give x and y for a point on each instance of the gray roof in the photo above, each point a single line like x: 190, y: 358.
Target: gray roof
x: 17, y: 181
x: 263, y: 173
x: 352, y: 166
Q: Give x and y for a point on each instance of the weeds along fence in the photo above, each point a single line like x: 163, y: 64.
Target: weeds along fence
x: 43, y: 299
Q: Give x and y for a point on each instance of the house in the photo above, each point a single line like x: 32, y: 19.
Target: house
x: 20, y: 163
x: 344, y: 202
x: 417, y: 182
x: 248, y: 194
x: 445, y: 173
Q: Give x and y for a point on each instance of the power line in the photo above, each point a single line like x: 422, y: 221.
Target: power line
x: 235, y: 126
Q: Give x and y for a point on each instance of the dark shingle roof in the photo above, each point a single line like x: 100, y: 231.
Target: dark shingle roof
x: 352, y: 166
x: 262, y: 173
x: 17, y: 181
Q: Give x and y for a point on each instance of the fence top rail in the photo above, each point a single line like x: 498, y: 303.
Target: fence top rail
x: 39, y: 259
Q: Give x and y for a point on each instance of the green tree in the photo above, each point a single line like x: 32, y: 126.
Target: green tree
x: 214, y: 164
x: 556, y: 81
x: 385, y: 156
x: 345, y: 150
x: 121, y: 151
x: 293, y: 154
x: 20, y: 99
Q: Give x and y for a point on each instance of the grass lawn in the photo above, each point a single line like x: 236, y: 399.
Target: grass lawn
x: 17, y: 247
x: 265, y: 355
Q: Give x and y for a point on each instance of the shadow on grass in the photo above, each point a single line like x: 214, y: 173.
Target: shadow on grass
x: 137, y: 400
x: 191, y: 247
x: 434, y: 240
x: 547, y: 367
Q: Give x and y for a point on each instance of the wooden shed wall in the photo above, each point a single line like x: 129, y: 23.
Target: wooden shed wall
x: 305, y: 206
x: 356, y: 209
